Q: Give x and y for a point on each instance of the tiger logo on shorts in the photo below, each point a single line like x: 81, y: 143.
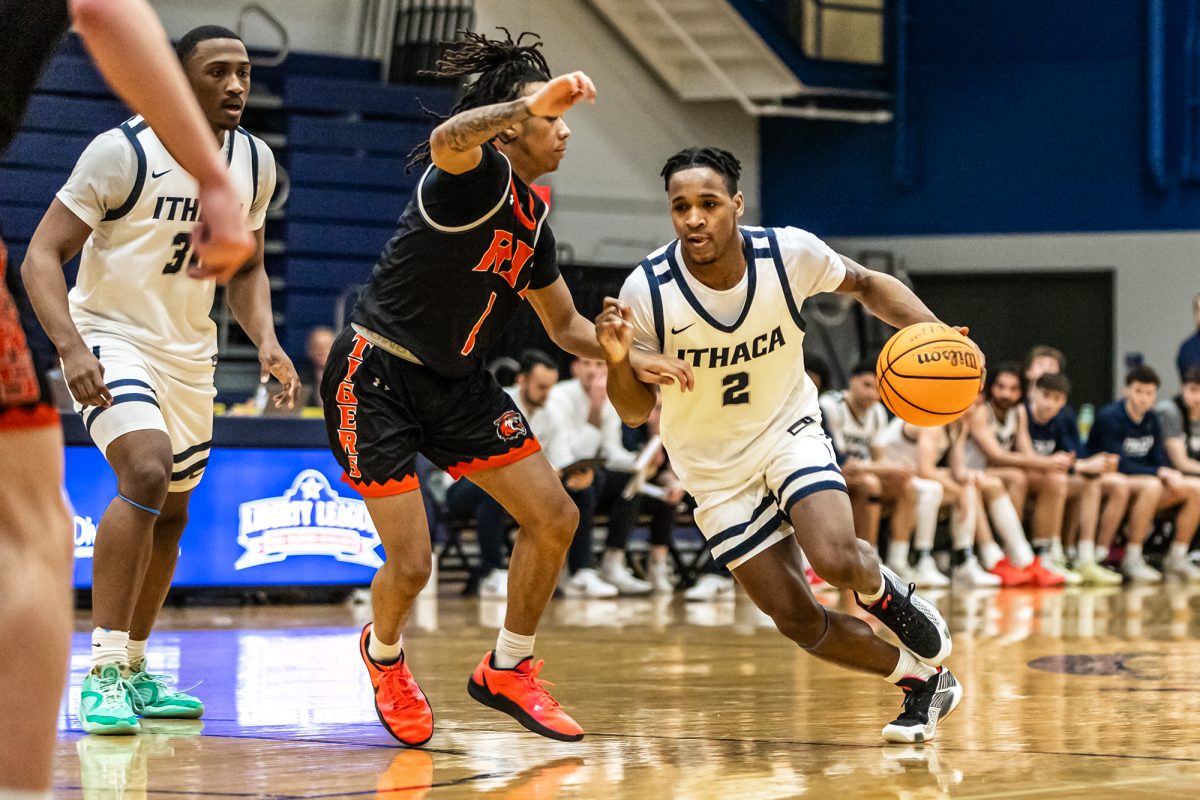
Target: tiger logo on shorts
x: 510, y: 426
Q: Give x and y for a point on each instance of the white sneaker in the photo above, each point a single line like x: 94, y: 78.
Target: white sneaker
x: 972, y: 573
x: 494, y: 586
x: 1183, y: 569
x: 711, y: 587
x: 587, y: 583
x: 621, y: 576
x: 660, y: 577
x: 1059, y: 567
x: 1138, y: 571
x: 926, y: 574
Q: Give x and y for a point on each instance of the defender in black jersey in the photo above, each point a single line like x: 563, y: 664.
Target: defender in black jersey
x: 130, y: 47
x: 407, y: 375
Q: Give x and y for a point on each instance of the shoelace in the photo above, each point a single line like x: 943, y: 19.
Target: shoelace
x: 110, y: 689
x: 403, y: 686
x: 166, y: 683
x: 914, y: 697
x: 538, y: 686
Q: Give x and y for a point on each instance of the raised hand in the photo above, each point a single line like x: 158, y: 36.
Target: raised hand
x: 221, y: 241
x: 559, y: 94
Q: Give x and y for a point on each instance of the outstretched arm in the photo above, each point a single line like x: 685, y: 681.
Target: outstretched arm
x: 454, y: 145
x: 566, y: 327
x: 884, y: 296
x: 131, y: 50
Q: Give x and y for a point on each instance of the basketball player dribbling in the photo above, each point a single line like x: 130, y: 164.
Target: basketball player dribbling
x: 747, y: 441
x: 408, y: 374
x: 130, y: 47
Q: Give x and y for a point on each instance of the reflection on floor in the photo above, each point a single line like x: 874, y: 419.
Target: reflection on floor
x: 1076, y: 693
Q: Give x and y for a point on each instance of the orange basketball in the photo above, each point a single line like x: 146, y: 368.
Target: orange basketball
x: 929, y: 374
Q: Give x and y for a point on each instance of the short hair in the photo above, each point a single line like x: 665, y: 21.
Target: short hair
x: 1003, y: 368
x: 533, y: 357
x: 1190, y: 375
x: 722, y: 162
x: 865, y: 367
x: 202, y: 34
x: 1045, y: 350
x: 821, y: 368
x: 1054, y: 382
x: 1142, y: 374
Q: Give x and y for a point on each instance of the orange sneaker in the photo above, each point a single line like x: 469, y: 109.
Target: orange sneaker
x: 1009, y: 574
x: 1041, y: 576
x: 399, y: 702
x: 518, y: 693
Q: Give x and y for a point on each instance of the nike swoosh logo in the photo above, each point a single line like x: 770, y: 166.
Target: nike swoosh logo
x: 677, y: 331
x: 160, y: 174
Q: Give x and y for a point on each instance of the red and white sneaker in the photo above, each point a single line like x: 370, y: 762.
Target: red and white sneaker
x: 1043, y: 575
x: 519, y: 693
x: 1010, y: 574
x: 399, y: 701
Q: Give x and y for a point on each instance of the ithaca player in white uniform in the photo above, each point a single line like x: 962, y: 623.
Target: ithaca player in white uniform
x: 747, y: 440
x: 139, y: 352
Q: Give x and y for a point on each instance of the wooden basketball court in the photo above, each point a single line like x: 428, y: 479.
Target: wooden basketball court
x: 1070, y: 694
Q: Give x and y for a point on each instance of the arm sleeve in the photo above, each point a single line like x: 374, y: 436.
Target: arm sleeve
x: 458, y: 200
x: 102, y: 179
x: 1158, y: 453
x: 636, y: 294
x: 812, y: 266
x: 545, y: 260
x: 267, y: 176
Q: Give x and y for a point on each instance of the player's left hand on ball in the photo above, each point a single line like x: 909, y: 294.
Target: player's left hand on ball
x: 221, y: 242
x: 276, y: 363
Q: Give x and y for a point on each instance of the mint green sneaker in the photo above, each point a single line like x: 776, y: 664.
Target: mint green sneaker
x: 104, y: 702
x: 154, y: 698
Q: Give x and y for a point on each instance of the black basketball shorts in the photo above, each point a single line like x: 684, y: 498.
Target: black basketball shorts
x: 380, y: 411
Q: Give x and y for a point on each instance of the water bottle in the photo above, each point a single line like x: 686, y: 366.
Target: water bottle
x: 1087, y: 415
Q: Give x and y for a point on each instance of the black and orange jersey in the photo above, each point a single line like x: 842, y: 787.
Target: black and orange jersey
x: 466, y: 251
x: 28, y: 33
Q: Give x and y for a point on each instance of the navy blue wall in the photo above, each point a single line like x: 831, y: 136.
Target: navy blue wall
x: 1023, y: 116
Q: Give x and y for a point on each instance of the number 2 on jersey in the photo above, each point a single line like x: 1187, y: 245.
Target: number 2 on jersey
x: 183, y: 246
x: 737, y: 389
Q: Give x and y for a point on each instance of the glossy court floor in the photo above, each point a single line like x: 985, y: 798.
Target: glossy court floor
x: 1069, y: 694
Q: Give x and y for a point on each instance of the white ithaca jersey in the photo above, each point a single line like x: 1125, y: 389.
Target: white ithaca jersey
x: 1006, y: 436
x: 141, y: 207
x: 899, y: 445
x: 852, y: 436
x: 744, y: 346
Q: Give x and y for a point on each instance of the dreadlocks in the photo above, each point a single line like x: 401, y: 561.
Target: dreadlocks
x: 721, y: 161
x: 504, y: 68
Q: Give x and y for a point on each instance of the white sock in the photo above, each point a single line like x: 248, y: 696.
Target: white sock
x: 382, y: 653
x: 929, y: 499
x: 898, y: 553
x: 909, y: 667
x: 878, y: 593
x: 1087, y: 552
x: 1133, y: 552
x: 136, y: 653
x: 1101, y: 553
x: 1056, y: 550
x: 25, y: 794
x: 990, y: 555
x: 962, y: 523
x: 1008, y: 524
x: 512, y: 649
x: 109, y: 647
x: 1179, y: 551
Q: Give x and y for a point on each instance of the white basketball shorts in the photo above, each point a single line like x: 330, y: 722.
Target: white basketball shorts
x: 148, y: 394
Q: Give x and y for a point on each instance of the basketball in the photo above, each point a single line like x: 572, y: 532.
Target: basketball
x: 929, y: 374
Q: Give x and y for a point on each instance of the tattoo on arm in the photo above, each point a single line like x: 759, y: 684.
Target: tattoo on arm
x: 472, y: 128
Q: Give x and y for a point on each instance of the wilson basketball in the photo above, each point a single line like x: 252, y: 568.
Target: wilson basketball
x: 929, y: 374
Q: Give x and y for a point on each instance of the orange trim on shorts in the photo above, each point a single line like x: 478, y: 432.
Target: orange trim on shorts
x: 385, y: 489
x: 28, y: 417
x: 462, y: 468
